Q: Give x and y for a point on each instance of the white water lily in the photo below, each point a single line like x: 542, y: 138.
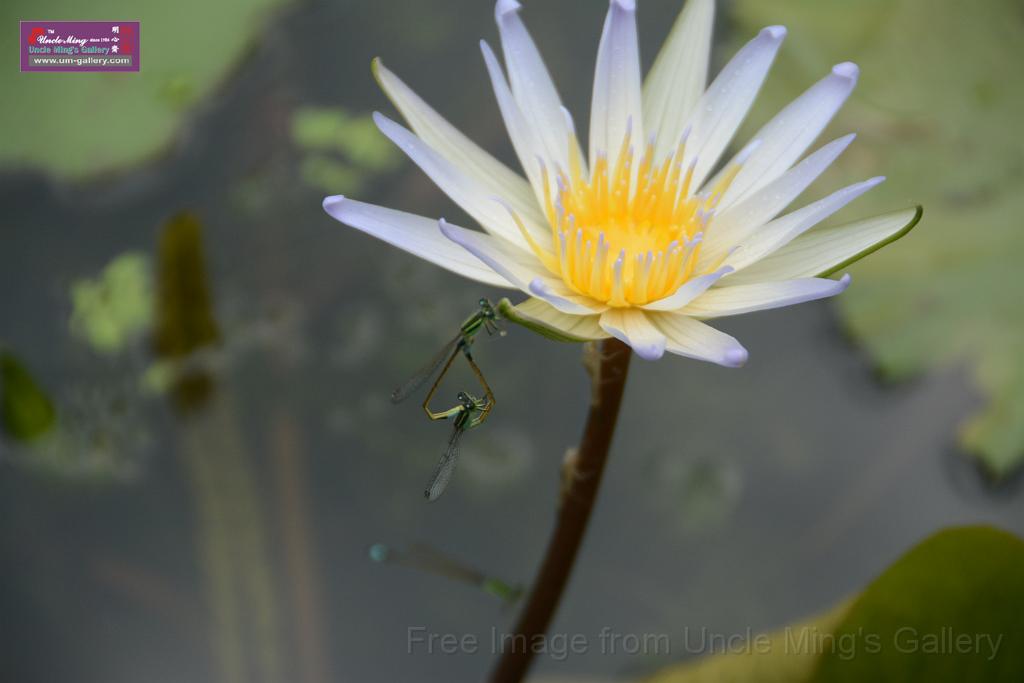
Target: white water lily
x: 639, y: 240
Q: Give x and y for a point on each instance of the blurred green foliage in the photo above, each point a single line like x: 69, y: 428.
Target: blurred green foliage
x: 110, y: 310
x: 28, y: 413
x: 341, y: 151
x: 326, y: 173
x: 95, y: 434
x: 938, y: 111
x: 78, y: 124
x: 185, y: 319
x: 962, y: 586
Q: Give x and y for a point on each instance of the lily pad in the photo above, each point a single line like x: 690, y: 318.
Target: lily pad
x: 937, y: 111
x: 78, y: 124
x: 948, y: 610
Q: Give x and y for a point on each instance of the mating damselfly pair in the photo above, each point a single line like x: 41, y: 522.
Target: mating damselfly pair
x: 470, y: 411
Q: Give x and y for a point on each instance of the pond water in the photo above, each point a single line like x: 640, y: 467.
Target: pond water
x: 229, y: 542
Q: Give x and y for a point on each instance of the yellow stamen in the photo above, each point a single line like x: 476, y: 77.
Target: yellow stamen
x: 543, y: 254
x: 631, y: 233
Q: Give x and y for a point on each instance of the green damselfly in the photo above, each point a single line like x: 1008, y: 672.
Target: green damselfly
x: 428, y: 559
x: 469, y: 413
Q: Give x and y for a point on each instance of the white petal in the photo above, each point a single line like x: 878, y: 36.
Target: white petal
x: 725, y: 104
x: 616, y: 103
x: 464, y: 191
x: 525, y: 142
x: 514, y: 265
x: 822, y: 252
x: 456, y: 148
x: 735, y: 300
x: 688, y: 292
x: 735, y: 224
x: 521, y: 269
x: 631, y: 326
x: 582, y: 326
x: 786, y: 137
x: 693, y: 339
x: 532, y: 86
x: 780, y: 232
x: 679, y: 75
x: 414, y: 234
x: 564, y: 299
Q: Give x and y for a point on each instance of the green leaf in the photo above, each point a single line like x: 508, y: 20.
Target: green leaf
x: 948, y: 610
x: 937, y: 111
x: 79, y: 124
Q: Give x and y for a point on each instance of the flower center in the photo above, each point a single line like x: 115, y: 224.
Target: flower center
x: 631, y: 234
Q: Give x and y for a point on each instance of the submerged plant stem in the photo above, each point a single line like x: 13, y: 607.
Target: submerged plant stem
x: 583, y: 478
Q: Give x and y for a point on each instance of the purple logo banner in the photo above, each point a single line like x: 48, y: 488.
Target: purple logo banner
x: 80, y: 46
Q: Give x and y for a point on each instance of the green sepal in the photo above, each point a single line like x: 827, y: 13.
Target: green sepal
x: 511, y: 314
x: 876, y: 246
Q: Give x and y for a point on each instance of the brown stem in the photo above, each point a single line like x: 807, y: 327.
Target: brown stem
x: 582, y: 480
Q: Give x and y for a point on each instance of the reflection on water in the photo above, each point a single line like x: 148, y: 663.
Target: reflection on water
x: 221, y: 532
x: 700, y: 493
x: 497, y: 458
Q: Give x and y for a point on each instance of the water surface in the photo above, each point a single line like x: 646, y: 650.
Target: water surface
x: 230, y: 543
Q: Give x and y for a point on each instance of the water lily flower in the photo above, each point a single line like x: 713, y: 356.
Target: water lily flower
x: 647, y: 235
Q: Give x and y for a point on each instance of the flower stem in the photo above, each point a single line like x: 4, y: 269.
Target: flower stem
x: 582, y: 478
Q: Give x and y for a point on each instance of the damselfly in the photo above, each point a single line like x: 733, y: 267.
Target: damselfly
x: 428, y: 559
x: 484, y: 318
x: 469, y: 413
